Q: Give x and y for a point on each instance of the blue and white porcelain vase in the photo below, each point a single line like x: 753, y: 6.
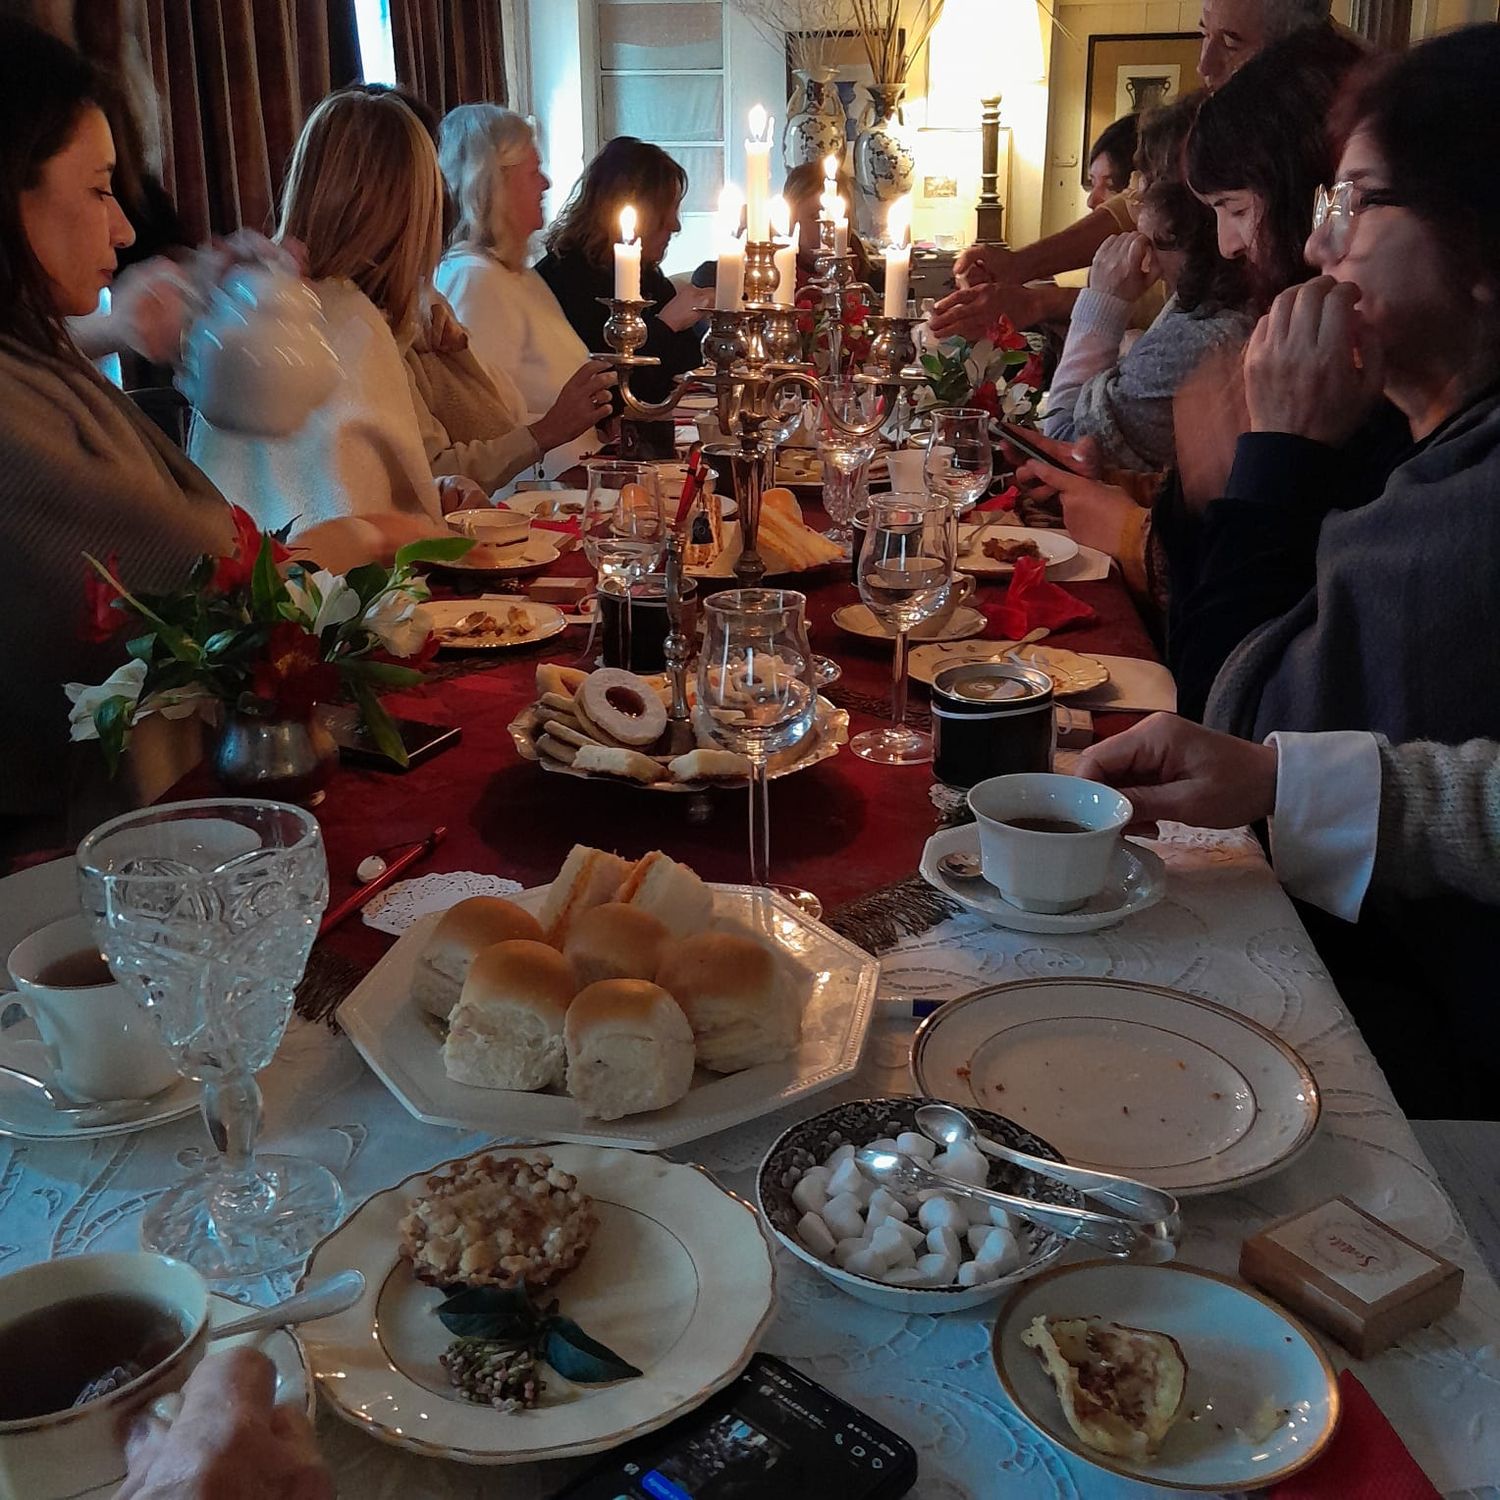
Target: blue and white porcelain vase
x: 817, y: 129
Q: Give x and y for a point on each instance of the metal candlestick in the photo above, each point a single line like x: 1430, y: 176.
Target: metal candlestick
x: 675, y: 650
x: 894, y: 348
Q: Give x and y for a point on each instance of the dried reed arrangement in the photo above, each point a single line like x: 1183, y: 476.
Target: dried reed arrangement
x: 879, y: 25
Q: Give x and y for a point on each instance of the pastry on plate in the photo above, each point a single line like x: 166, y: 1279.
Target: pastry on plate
x: 589, y: 877
x: 506, y: 1032
x: 1121, y: 1388
x: 497, y: 1221
x: 671, y: 892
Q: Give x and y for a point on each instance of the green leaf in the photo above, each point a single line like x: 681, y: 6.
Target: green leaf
x: 432, y: 549
x: 490, y: 1312
x: 141, y: 647
x: 266, y: 588
x: 367, y: 581
x: 385, y: 673
x: 932, y: 364
x: 111, y: 720
x: 378, y: 721
x: 575, y: 1356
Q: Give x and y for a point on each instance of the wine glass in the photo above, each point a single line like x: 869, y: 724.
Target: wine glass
x: 960, y: 462
x: 905, y: 577
x: 846, y: 459
x: 624, y: 526
x: 757, y: 695
x: 205, y: 913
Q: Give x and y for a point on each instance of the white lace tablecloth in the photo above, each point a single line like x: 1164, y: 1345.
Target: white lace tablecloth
x: 1225, y: 931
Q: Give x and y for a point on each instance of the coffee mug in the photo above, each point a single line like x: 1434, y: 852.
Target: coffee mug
x: 1043, y: 869
x: 82, y: 1448
x: 102, y: 1043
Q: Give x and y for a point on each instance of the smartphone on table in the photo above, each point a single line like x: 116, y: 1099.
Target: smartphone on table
x: 358, y: 748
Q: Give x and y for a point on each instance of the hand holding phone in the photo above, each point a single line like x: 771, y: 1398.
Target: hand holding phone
x: 1044, y: 450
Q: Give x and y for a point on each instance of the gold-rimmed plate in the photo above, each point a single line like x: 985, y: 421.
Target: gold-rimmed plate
x: 679, y: 1280
x: 1261, y: 1400
x: 447, y: 619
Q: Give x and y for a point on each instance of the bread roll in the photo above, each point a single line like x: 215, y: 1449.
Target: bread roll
x: 738, y: 997
x: 465, y: 930
x: 588, y: 878
x: 615, y: 941
x: 506, y: 1031
x: 671, y: 892
x: 630, y: 1048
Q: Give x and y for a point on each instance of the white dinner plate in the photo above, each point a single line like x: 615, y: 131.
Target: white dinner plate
x: 400, y: 1043
x: 544, y: 621
x: 1055, y: 546
x: 1242, y: 1352
x: 539, y: 551
x: 552, y: 505
x: 1137, y: 881
x: 1071, y: 672
x: 856, y: 619
x: 1130, y: 1078
x: 679, y: 1280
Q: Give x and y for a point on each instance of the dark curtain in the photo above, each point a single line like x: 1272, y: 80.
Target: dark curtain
x: 449, y: 52
x: 234, y: 81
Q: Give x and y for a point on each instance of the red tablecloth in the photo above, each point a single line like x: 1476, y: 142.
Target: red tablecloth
x: 841, y: 828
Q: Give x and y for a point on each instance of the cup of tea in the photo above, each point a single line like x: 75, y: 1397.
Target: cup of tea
x: 490, y: 524
x: 905, y: 466
x: 1046, y: 841
x: 103, y: 1044
x: 649, y: 625
x: 87, y: 1343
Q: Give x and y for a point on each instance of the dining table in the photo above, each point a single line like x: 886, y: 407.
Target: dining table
x: 852, y: 832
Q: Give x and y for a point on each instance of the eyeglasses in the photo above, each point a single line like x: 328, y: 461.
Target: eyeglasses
x: 1337, y: 208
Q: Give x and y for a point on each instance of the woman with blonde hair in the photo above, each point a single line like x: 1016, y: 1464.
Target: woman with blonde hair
x: 494, y: 175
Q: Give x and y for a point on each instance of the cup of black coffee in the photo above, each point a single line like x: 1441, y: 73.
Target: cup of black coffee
x: 649, y: 625
x: 86, y: 1343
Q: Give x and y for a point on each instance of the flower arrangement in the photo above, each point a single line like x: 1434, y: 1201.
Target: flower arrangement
x: 815, y: 324
x: 258, y: 636
x: 1001, y: 374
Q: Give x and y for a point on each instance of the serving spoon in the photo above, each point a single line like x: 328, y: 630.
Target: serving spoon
x: 949, y: 1126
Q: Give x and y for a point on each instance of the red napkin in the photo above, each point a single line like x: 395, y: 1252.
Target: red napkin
x: 1031, y: 601
x: 1005, y: 500
x: 1365, y: 1461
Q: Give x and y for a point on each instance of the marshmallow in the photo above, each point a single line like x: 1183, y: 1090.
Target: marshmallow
x: 938, y: 1269
x: 888, y: 1243
x: 1003, y: 1218
x: 966, y: 1163
x: 903, y: 1276
x: 847, y: 1178
x: 978, y: 1234
x: 978, y: 1213
x: 885, y: 1205
x: 973, y: 1273
x: 866, y: 1263
x: 839, y: 1157
x: 819, y: 1175
x: 942, y: 1213
x: 1001, y: 1253
x: 813, y: 1233
x: 912, y: 1144
x: 885, y: 1143
x: 811, y: 1195
x: 845, y: 1248
x: 845, y: 1217
x: 944, y: 1241
x: 909, y: 1232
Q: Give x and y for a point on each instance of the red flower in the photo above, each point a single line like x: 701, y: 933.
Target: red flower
x: 986, y: 398
x: 806, y: 322
x: 1031, y: 372
x: 292, y: 676
x: 1004, y: 336
x: 235, y: 570
x: 101, y: 620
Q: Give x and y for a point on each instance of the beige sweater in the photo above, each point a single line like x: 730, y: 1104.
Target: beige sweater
x: 80, y: 471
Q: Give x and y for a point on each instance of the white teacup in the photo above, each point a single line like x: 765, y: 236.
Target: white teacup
x: 491, y: 525
x: 1041, y: 870
x: 907, y: 469
x: 102, y: 1042
x: 82, y: 1448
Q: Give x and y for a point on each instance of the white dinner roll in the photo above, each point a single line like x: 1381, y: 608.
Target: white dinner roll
x: 739, y: 1000
x: 589, y: 877
x: 630, y: 1048
x: 465, y: 931
x: 615, y: 941
x: 506, y: 1031
x: 671, y: 892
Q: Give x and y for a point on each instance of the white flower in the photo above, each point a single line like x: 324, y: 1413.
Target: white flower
x: 324, y: 599
x: 1016, y: 401
x: 126, y: 683
x: 174, y: 703
x: 398, y: 621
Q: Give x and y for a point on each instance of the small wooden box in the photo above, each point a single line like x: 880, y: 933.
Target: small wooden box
x: 564, y: 591
x: 1350, y: 1275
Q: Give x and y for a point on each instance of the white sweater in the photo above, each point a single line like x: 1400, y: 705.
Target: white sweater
x: 360, y: 453
x: 515, y: 326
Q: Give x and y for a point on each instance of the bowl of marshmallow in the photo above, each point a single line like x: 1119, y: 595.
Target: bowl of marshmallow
x: 928, y: 1251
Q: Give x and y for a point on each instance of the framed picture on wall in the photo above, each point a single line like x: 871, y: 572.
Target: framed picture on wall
x: 1128, y: 73
x: 845, y: 54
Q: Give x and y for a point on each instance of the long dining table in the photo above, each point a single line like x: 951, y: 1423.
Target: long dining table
x: 852, y: 832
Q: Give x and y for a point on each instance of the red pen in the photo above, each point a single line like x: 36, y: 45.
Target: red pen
x: 372, y: 888
x: 690, y: 486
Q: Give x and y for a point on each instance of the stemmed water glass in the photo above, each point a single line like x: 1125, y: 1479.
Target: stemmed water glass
x: 905, y: 577
x: 845, y: 458
x: 960, y: 462
x: 624, y: 527
x: 205, y: 913
x: 757, y: 695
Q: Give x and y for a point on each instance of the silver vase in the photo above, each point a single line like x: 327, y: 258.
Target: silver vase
x: 817, y: 129
x: 883, y: 161
x: 287, y: 760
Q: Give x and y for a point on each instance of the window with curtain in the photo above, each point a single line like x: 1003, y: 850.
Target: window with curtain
x: 662, y: 78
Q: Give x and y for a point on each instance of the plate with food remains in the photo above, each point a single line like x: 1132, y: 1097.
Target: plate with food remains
x: 538, y: 551
x: 491, y: 624
x: 611, y: 725
x: 540, y: 1303
x: 506, y: 1015
x: 1070, y: 671
x: 958, y: 625
x: 993, y: 551
x: 1167, y: 1374
x: 1143, y: 1081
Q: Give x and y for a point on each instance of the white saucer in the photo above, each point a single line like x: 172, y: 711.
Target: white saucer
x: 1137, y: 881
x: 27, y: 1116
x: 485, y: 557
x: 856, y: 619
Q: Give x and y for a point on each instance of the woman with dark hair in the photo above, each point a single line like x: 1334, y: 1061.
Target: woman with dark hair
x: 579, y: 263
x: 803, y: 191
x: 1125, y: 404
x: 1111, y: 160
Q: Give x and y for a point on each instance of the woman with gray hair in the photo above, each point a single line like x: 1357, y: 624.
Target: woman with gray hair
x: 494, y: 174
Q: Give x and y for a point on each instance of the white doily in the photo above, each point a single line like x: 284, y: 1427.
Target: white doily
x: 395, y: 909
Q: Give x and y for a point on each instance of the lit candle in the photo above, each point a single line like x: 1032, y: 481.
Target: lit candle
x: 830, y: 178
x: 840, y: 217
x: 898, y: 258
x: 758, y: 176
x: 729, y: 283
x: 628, y: 259
x: 786, y: 264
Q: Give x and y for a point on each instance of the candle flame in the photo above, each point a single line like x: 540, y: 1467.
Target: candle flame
x: 759, y: 123
x: 781, y: 217
x: 627, y: 225
x: 898, y: 222
x: 830, y: 169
